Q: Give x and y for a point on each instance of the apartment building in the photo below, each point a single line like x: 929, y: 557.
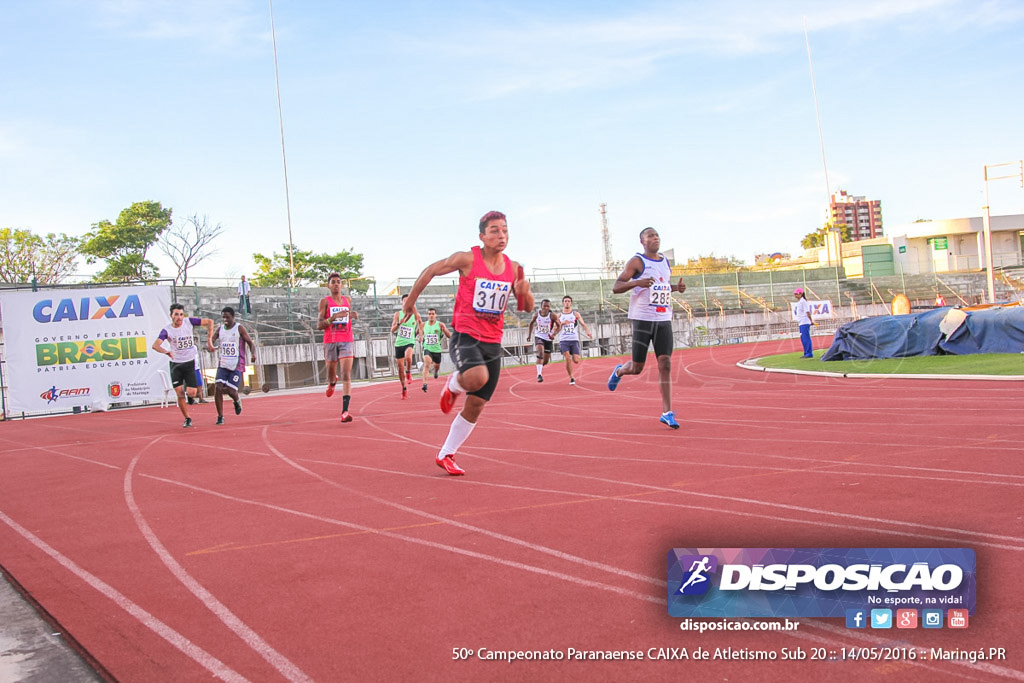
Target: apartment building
x: 864, y: 216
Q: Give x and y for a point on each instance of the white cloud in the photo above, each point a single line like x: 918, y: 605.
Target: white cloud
x: 219, y: 25
x: 564, y: 54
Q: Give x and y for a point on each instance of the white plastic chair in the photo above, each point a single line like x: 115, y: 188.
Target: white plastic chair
x: 165, y: 379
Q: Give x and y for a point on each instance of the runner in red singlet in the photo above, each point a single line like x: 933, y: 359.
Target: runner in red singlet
x: 335, y: 319
x: 487, y: 279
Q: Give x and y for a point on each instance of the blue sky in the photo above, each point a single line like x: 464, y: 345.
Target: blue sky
x: 405, y: 121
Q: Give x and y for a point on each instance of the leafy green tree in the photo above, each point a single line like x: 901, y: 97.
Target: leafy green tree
x: 310, y: 268
x: 817, y: 238
x: 24, y: 254
x: 123, y: 245
x: 813, y: 239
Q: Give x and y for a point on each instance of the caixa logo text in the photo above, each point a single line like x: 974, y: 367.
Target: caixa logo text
x: 830, y: 577
x: 87, y: 308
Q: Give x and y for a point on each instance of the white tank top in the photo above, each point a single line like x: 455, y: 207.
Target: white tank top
x: 654, y: 302
x: 230, y: 342
x: 569, y: 331
x: 183, y: 343
x: 543, y: 328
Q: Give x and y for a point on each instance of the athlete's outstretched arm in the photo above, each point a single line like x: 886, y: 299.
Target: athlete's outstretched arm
x: 248, y: 342
x: 461, y: 261
x: 208, y: 324
x: 322, y: 322
x: 521, y: 288
x: 625, y: 281
x: 585, y: 326
x: 158, y: 346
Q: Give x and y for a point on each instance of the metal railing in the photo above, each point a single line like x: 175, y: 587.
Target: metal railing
x: 713, y: 311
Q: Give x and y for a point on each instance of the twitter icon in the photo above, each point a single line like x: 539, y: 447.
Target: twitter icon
x: 881, y: 618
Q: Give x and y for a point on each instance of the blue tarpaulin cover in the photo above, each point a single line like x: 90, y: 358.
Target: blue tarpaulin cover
x: 990, y: 330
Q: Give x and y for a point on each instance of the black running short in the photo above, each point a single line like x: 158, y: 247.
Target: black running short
x: 656, y: 332
x: 469, y: 352
x: 184, y: 374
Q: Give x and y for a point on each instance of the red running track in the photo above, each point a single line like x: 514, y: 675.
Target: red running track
x: 288, y: 546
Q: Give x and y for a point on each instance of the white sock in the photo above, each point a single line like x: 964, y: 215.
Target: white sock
x: 540, y: 369
x: 453, y: 384
x: 457, y: 435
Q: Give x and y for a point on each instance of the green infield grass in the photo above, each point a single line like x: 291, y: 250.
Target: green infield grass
x: 975, y: 364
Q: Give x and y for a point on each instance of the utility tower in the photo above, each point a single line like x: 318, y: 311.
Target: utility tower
x: 608, y: 266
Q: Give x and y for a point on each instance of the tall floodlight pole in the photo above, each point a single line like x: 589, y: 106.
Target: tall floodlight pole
x: 1019, y: 173
x: 606, y: 241
x: 284, y: 159
x: 821, y: 139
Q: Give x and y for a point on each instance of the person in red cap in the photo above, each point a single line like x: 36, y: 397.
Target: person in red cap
x: 802, y: 315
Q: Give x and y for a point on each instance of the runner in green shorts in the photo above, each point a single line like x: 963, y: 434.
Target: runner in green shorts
x: 405, y: 343
x: 430, y: 338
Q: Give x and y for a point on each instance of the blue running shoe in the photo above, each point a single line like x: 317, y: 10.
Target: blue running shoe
x: 614, y: 380
x: 669, y: 418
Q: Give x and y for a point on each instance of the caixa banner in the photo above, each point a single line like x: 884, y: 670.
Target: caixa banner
x: 83, y: 347
x: 817, y: 582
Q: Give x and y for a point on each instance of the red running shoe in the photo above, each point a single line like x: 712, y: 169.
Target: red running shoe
x: 330, y: 390
x: 405, y: 393
x: 448, y: 399
x: 447, y: 463
x: 345, y: 417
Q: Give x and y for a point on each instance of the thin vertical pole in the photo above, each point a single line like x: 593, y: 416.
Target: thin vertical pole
x: 988, y: 247
x: 3, y: 392
x: 284, y: 159
x: 817, y: 113
x: 316, y: 366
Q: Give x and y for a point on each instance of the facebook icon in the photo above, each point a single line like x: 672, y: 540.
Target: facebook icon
x: 856, y: 618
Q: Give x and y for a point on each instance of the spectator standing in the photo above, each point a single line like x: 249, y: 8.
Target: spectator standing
x: 243, y: 297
